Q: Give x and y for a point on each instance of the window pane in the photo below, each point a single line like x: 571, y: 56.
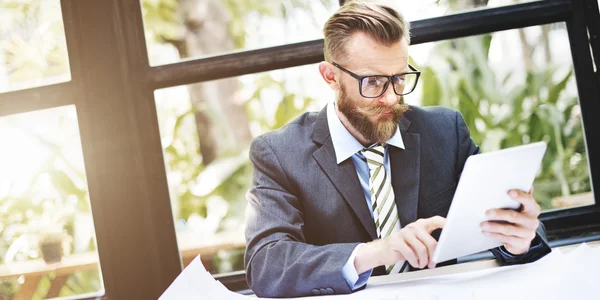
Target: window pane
x: 33, y: 50
x: 514, y: 87
x: 45, y: 212
x: 206, y: 131
x: 179, y: 29
x: 418, y: 10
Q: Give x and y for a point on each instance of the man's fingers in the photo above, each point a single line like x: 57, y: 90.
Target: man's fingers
x: 505, y: 239
x: 514, y: 217
x: 422, y: 229
x: 513, y: 244
x: 433, y: 223
x: 408, y: 253
x: 508, y: 230
x: 429, y: 242
x: 526, y: 199
x: 418, y: 248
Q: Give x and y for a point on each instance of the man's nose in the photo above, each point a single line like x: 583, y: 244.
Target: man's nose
x: 389, y: 97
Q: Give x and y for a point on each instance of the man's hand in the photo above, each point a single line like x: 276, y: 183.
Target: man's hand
x: 413, y: 243
x: 518, y: 227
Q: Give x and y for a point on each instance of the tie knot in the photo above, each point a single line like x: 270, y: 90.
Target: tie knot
x: 374, y: 156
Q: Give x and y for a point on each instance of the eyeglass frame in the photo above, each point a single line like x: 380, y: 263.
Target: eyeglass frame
x: 390, y: 78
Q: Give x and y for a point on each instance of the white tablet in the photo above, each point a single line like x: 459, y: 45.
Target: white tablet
x: 483, y: 185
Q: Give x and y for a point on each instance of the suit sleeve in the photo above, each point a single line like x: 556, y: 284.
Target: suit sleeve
x: 278, y: 261
x: 539, y: 246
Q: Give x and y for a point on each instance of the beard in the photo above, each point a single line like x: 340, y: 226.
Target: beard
x: 369, y: 119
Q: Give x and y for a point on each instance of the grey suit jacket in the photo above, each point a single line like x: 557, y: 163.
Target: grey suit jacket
x: 306, y: 214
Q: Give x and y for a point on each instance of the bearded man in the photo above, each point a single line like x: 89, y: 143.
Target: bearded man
x: 358, y: 189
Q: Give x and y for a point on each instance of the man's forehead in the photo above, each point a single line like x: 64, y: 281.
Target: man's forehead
x: 365, y: 53
x: 379, y: 65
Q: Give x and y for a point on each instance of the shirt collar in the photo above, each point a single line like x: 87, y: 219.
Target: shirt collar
x: 344, y: 144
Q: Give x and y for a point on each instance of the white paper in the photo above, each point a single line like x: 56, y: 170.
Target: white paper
x: 195, y: 282
x: 560, y: 275
x: 572, y: 275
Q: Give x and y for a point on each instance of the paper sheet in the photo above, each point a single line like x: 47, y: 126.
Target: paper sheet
x: 571, y: 275
x: 195, y: 282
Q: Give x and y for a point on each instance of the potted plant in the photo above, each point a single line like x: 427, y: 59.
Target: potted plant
x: 51, y: 245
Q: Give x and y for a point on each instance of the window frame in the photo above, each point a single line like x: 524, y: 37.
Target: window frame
x: 113, y: 85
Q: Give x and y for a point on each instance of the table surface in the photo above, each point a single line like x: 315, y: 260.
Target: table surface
x: 69, y: 264
x: 89, y: 260
x: 454, y: 269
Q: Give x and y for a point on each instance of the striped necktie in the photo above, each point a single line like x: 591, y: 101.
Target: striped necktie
x: 383, y: 201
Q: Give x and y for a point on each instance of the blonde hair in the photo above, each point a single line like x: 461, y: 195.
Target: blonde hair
x: 380, y: 21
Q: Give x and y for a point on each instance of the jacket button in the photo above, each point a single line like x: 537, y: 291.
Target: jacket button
x: 316, y: 292
x: 329, y: 291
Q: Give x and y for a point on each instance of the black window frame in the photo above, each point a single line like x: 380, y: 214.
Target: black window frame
x: 113, y: 86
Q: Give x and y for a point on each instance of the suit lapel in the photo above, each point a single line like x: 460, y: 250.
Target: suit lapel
x: 405, y: 168
x: 343, y: 176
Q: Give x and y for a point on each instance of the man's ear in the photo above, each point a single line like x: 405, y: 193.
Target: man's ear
x: 327, y: 71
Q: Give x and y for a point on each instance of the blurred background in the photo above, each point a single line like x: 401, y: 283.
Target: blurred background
x: 513, y: 87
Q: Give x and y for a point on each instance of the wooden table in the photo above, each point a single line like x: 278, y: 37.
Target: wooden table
x: 189, y: 249
x: 34, y: 270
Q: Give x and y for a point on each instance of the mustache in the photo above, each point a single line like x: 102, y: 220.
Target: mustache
x: 394, y: 109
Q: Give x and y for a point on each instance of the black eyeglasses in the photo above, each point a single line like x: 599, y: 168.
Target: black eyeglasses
x: 374, y: 86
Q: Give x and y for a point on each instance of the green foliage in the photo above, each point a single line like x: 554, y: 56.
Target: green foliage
x: 32, y: 43
x: 161, y: 20
x: 81, y: 283
x: 239, y: 9
x: 228, y: 176
x: 505, y: 113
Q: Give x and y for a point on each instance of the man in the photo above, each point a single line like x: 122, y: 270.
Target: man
x: 358, y: 188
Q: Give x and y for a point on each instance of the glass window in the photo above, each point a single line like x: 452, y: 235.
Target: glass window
x: 418, y: 10
x: 515, y: 87
x: 206, y: 131
x: 182, y: 29
x: 47, y: 238
x: 33, y: 50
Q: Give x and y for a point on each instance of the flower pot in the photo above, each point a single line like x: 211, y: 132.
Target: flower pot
x: 52, y: 252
